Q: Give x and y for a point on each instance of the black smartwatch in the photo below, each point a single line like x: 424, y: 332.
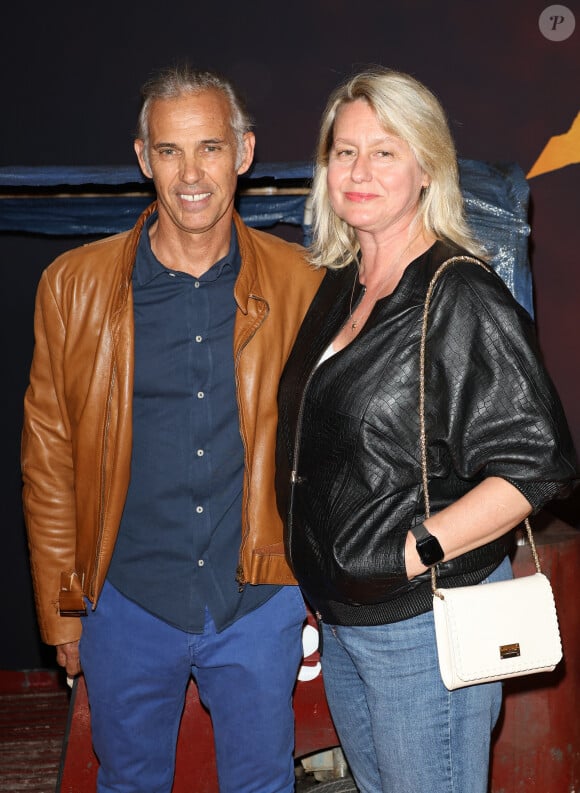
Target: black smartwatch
x: 428, y: 548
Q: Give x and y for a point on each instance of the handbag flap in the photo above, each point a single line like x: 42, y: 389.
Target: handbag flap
x: 503, y: 628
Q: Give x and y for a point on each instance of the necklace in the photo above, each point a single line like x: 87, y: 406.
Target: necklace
x: 354, y: 323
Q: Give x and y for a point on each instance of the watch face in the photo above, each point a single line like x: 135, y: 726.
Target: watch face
x: 430, y: 551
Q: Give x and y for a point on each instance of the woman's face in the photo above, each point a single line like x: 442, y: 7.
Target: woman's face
x: 374, y: 179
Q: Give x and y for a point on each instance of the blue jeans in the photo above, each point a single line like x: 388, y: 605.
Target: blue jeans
x: 137, y: 668
x: 400, y: 728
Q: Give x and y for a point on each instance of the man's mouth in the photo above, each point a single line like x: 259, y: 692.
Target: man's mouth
x: 195, y: 197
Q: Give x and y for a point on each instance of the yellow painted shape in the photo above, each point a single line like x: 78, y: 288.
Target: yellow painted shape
x: 560, y: 150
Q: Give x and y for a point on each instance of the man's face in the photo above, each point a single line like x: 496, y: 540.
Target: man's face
x: 192, y: 160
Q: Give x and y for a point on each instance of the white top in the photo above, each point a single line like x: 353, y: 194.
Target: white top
x: 328, y: 353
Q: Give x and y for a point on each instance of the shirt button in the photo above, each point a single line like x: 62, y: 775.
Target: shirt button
x: 200, y: 563
x: 199, y: 510
x: 200, y: 452
x: 200, y: 395
x: 198, y: 339
x: 197, y: 284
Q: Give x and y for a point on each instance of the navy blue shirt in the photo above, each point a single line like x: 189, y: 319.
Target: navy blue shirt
x: 178, y: 544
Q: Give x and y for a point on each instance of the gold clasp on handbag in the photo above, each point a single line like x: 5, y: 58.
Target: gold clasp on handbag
x: 509, y: 651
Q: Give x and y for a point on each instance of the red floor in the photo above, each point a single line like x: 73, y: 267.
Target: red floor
x: 33, y: 714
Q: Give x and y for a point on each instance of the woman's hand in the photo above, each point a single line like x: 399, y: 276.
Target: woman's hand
x: 487, y: 512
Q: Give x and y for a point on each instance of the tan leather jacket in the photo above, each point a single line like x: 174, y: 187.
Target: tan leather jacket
x: 76, y: 447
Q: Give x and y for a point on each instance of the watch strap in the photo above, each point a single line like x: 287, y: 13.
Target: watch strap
x: 420, y: 532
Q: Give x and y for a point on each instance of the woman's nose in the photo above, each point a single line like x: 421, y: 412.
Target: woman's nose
x: 361, y: 169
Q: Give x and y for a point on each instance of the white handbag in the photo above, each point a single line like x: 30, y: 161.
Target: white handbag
x: 489, y: 631
x: 494, y: 631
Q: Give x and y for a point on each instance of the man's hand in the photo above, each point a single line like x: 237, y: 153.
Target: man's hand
x: 67, y: 655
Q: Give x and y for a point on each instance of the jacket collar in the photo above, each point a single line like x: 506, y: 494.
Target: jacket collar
x: 247, y: 284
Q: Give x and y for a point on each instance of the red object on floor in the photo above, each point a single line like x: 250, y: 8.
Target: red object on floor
x: 537, y: 743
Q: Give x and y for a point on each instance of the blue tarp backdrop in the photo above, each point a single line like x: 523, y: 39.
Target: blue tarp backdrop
x: 95, y: 201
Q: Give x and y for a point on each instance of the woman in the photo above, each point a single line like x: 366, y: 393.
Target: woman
x: 387, y: 212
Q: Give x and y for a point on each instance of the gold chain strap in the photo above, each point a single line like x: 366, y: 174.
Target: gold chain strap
x: 422, y: 426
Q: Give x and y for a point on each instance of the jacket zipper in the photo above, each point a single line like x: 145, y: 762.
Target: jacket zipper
x: 240, y: 576
x: 103, y: 477
x: 124, y: 288
x: 318, y: 616
x: 295, y: 479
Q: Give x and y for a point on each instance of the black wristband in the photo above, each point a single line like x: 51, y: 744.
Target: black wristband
x: 428, y: 547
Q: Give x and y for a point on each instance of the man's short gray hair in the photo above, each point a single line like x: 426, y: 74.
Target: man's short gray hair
x: 173, y: 82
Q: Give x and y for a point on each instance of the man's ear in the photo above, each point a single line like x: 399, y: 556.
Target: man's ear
x: 139, y: 147
x: 249, y: 144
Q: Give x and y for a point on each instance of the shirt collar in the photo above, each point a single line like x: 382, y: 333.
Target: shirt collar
x: 148, y: 267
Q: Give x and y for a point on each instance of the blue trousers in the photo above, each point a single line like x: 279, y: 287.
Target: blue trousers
x: 400, y: 728
x: 137, y: 668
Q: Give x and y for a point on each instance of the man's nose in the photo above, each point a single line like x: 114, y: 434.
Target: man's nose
x: 191, y: 170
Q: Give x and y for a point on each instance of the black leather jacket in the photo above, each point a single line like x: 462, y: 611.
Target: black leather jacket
x: 348, y: 466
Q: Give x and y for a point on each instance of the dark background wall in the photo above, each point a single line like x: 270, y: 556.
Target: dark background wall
x: 71, y: 74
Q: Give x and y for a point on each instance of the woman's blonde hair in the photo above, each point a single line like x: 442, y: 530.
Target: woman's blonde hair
x: 407, y: 109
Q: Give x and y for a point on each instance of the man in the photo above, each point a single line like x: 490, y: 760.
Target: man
x: 148, y: 458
